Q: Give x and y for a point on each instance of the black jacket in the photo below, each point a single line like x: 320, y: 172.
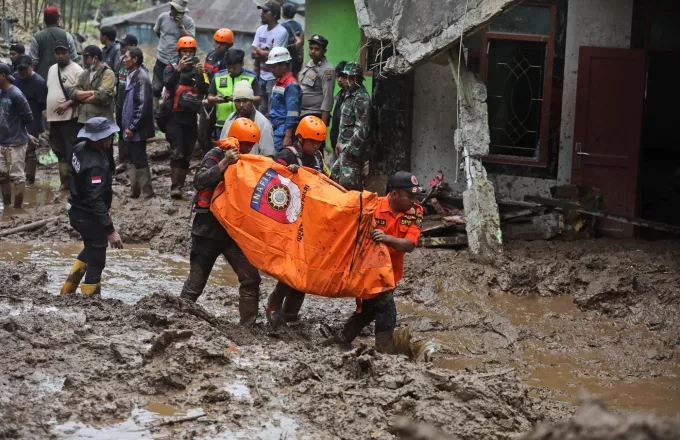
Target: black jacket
x: 208, y: 176
x: 90, y: 184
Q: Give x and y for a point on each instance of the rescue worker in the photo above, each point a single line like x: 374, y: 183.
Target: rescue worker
x: 285, y: 99
x: 399, y: 221
x: 89, y: 204
x: 222, y: 87
x: 355, y: 130
x: 337, y: 109
x: 208, y: 238
x: 285, y: 302
x: 185, y: 85
x: 244, y: 100
x: 317, y: 82
x: 223, y: 40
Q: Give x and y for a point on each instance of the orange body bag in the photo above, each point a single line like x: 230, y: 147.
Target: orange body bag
x: 303, y: 229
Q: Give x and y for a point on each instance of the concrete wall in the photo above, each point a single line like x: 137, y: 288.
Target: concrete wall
x: 434, y: 123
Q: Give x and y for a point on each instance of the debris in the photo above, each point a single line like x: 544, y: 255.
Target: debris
x: 177, y: 420
x: 538, y: 227
x: 456, y: 240
x: 29, y: 227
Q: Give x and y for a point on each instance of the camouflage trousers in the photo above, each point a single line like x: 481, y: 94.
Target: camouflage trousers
x: 347, y: 172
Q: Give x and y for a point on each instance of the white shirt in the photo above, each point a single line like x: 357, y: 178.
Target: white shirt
x: 265, y: 147
x: 268, y: 39
x: 55, y: 94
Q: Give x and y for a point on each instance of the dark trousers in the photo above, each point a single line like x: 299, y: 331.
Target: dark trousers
x: 123, y: 155
x: 382, y: 309
x: 95, y: 242
x: 157, y: 81
x: 292, y: 301
x: 204, y: 253
x: 182, y: 138
x: 137, y: 153
x: 63, y: 135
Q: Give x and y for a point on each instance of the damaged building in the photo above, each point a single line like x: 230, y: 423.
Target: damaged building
x: 578, y: 92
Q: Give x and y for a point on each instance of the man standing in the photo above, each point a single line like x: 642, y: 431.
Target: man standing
x: 317, y: 82
x: 15, y: 116
x: 208, y: 238
x: 170, y: 27
x: 399, y: 221
x: 44, y: 42
x: 286, y: 98
x: 337, y: 110
x: 111, y: 49
x: 62, y: 112
x: 138, y: 124
x: 34, y: 88
x: 89, y: 204
x: 15, y: 51
x: 127, y: 42
x: 296, y: 41
x: 222, y: 87
x: 268, y: 36
x: 355, y: 130
x: 244, y: 99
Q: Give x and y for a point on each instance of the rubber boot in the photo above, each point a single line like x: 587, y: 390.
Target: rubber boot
x: 63, y: 176
x: 7, y: 194
x: 31, y: 166
x: 91, y: 289
x: 292, y: 305
x: 175, y: 185
x: 144, y: 181
x: 247, y: 308
x: 74, y: 277
x: 274, y: 311
x: 134, y: 184
x: 19, y: 190
x: 384, y: 342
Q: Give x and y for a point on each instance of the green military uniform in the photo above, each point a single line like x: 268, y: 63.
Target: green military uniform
x: 355, y: 129
x: 224, y: 85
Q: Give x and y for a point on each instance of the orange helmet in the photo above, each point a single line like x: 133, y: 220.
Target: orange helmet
x: 224, y: 35
x: 311, y: 127
x: 245, y: 130
x: 186, y: 43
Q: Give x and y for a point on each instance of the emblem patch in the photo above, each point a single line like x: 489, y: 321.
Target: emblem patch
x: 414, y: 180
x: 277, y: 197
x: 380, y: 222
x: 76, y: 163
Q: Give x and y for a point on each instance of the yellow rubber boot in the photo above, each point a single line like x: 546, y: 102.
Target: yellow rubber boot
x: 74, y: 277
x: 91, y: 289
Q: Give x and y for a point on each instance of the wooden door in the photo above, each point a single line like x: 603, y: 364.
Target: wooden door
x: 608, y: 127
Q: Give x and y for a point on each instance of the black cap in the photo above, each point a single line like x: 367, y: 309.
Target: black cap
x: 17, y: 47
x: 93, y: 51
x: 61, y: 44
x: 406, y: 181
x: 5, y: 70
x: 320, y: 40
x: 128, y: 40
x: 24, y: 62
x: 271, y: 5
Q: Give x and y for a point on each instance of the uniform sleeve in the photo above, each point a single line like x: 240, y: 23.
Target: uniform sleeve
x: 362, y: 127
x: 208, y: 174
x: 286, y: 157
x: 327, y: 86
x: 97, y: 194
x: 34, y: 52
x: 104, y: 93
x: 191, y: 27
x: 413, y: 233
x: 292, y: 96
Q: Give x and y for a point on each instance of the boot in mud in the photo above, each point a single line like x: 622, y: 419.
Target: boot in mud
x: 74, y: 277
x: 7, y: 194
x: 354, y: 325
x: 292, y: 305
x: 247, y: 308
x: 134, y: 184
x: 91, y: 289
x: 177, y: 177
x: 19, y: 190
x: 384, y: 342
x: 63, y: 176
x: 144, y: 182
x: 189, y: 296
x: 31, y: 165
x: 274, y: 305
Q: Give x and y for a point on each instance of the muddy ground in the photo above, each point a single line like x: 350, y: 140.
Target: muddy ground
x: 521, y: 340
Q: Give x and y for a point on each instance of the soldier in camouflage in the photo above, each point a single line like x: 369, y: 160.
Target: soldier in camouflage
x: 355, y: 129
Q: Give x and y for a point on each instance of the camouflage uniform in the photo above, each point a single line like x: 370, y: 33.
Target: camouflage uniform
x: 355, y: 129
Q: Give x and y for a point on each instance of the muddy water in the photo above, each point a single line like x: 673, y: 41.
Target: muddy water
x: 43, y: 192
x: 130, y: 273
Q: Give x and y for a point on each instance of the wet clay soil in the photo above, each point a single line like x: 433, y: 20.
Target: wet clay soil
x: 522, y: 339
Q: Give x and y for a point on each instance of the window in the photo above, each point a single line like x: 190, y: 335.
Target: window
x: 517, y: 69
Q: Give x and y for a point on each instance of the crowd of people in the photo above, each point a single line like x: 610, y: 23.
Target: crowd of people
x: 281, y: 109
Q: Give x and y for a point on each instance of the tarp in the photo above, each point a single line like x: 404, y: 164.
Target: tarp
x: 303, y: 229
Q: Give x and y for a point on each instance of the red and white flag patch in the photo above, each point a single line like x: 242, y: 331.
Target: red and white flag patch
x: 96, y: 180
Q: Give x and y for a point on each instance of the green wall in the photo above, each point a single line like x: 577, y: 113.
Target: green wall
x: 337, y: 21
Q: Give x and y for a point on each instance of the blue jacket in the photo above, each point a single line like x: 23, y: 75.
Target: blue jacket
x: 286, y: 99
x: 137, y: 115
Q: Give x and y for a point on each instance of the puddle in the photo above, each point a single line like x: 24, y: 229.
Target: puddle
x: 42, y: 192
x: 130, y: 273
x: 239, y: 388
x: 136, y: 427
x: 277, y: 427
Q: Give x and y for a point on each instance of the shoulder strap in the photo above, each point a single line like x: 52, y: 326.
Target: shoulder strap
x: 61, y: 83
x: 297, y: 154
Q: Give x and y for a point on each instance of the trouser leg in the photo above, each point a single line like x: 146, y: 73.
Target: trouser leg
x: 249, y: 280
x: 96, y: 261
x: 275, y: 304
x: 31, y: 164
x: 292, y: 305
x: 202, y: 259
x: 157, y: 81
x: 385, y: 322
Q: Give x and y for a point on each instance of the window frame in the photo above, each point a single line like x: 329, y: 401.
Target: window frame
x: 542, y: 160
x: 364, y: 55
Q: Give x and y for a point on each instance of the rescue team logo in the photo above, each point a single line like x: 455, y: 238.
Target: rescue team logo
x: 277, y: 197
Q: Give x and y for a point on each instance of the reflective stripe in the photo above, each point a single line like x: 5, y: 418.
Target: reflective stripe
x: 278, y: 89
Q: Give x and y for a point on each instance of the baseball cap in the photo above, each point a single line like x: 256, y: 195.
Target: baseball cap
x: 5, y: 70
x: 128, y: 40
x: 320, y: 40
x: 24, y: 62
x: 98, y: 128
x: 51, y: 10
x: 94, y: 51
x: 17, y: 47
x: 406, y: 181
x: 271, y: 5
x: 61, y: 44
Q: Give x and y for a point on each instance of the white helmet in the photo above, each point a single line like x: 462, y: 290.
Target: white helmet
x: 279, y: 55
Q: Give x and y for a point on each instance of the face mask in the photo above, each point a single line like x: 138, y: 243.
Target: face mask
x: 92, y: 68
